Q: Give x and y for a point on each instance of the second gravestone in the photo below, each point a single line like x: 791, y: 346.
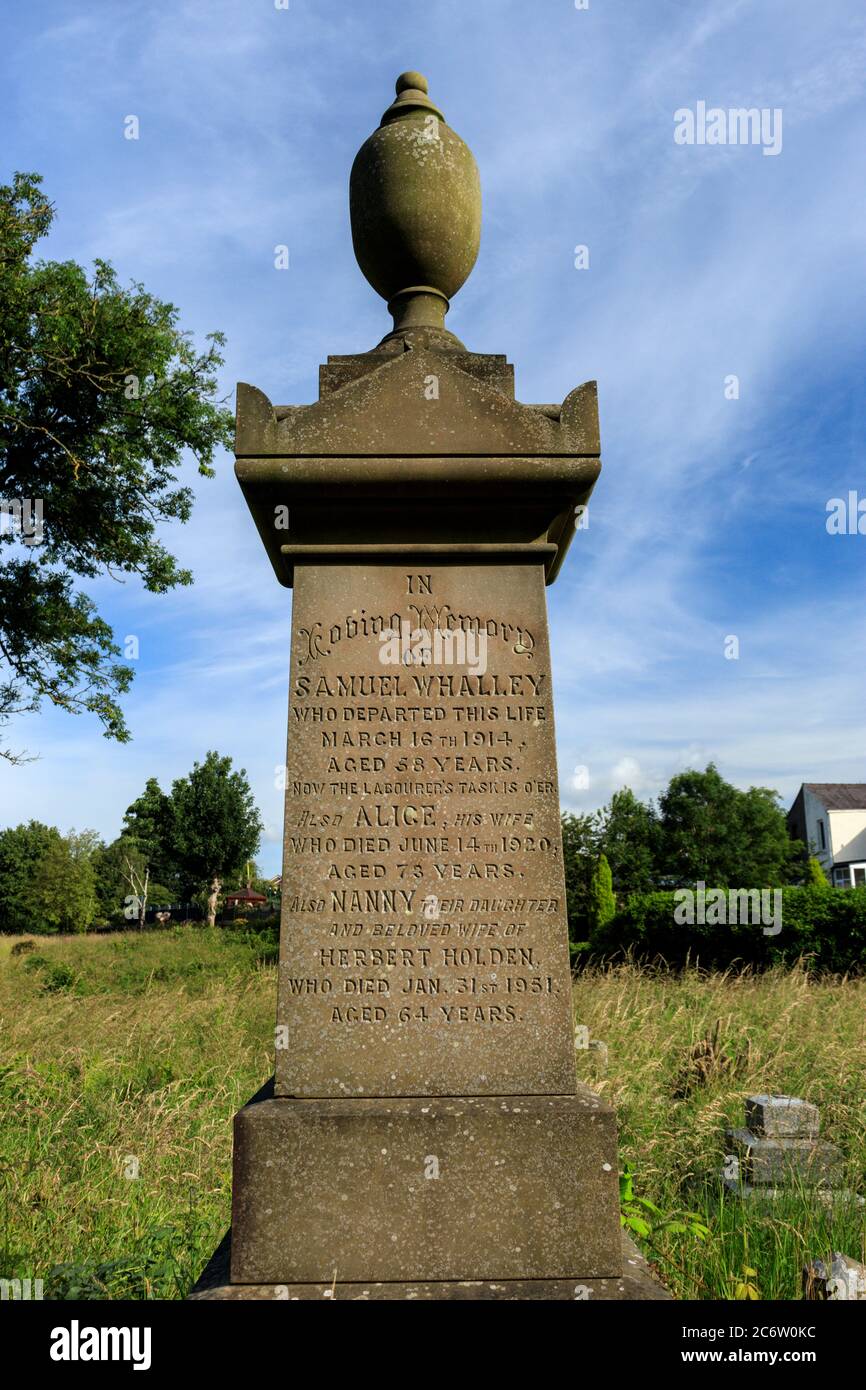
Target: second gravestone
x: 425, y: 1135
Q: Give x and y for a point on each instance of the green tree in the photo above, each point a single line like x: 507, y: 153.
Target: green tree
x: 767, y: 850
x: 700, y: 828
x: 22, y: 851
x: 145, y: 828
x: 628, y: 831
x: 579, y: 850
x: 64, y: 892
x: 213, y: 826
x: 101, y: 393
x: 712, y: 832
x: 248, y: 875
x: 602, y: 901
x: 815, y: 876
x: 798, y: 862
x: 114, y: 883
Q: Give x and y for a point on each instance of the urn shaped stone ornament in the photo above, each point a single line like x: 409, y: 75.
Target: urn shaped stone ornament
x: 415, y: 207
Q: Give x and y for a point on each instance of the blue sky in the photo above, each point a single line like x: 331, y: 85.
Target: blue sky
x: 705, y: 261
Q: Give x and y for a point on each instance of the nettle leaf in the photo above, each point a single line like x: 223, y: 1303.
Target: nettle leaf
x: 636, y: 1223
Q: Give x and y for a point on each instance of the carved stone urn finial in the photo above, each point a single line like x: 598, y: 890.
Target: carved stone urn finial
x: 415, y: 207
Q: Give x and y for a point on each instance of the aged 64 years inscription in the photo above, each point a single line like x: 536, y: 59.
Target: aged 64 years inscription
x: 424, y: 941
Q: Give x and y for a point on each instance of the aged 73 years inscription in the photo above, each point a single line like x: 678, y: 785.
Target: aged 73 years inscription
x: 424, y: 941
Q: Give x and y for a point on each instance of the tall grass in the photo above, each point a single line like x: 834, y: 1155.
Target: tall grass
x: 117, y: 1093
x: 783, y: 1031
x: 124, y: 1058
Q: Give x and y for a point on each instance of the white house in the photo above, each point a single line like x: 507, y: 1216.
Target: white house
x: 830, y: 817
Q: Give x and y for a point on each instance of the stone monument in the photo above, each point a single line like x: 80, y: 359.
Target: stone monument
x: 425, y: 1135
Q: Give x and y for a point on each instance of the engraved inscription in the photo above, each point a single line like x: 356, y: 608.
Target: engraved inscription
x: 423, y: 896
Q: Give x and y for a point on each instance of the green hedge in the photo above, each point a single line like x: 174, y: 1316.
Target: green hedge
x: 827, y: 926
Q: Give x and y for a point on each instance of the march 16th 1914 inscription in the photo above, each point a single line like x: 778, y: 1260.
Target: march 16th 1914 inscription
x: 424, y: 947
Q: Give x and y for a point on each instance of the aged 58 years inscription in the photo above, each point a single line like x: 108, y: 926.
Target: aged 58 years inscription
x: 424, y: 941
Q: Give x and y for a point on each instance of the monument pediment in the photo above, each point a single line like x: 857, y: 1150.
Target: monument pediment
x: 417, y: 403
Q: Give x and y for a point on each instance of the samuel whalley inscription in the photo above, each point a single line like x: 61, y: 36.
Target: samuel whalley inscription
x: 425, y: 1135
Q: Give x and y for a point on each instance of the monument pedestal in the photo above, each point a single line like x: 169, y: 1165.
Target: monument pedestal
x: 425, y: 1135
x: 393, y: 1190
x: 637, y: 1281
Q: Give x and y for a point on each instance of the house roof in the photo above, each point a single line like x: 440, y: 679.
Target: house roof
x: 247, y: 895
x: 839, y: 796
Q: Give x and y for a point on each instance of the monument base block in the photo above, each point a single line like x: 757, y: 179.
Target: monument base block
x: 637, y: 1282
x: 429, y: 1190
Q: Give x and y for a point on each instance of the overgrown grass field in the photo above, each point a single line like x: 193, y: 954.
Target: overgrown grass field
x: 124, y: 1058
